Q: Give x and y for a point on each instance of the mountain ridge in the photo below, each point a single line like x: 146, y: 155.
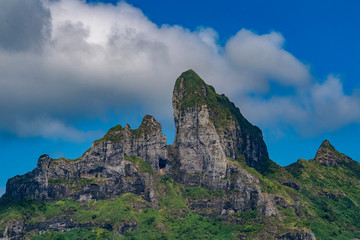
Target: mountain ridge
x: 217, y: 174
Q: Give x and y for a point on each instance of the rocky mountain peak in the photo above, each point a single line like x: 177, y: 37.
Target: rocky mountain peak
x: 148, y: 125
x: 189, y: 90
x: 327, y: 155
x: 43, y: 161
x: 194, y: 100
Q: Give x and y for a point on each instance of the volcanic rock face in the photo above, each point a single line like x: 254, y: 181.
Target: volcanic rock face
x: 200, y: 154
x: 197, y: 105
x: 210, y: 128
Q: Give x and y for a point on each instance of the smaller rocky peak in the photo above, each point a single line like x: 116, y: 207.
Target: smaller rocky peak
x: 327, y: 155
x: 148, y: 125
x: 44, y: 161
x: 118, y: 133
x: 149, y: 122
x: 326, y: 144
x: 114, y: 134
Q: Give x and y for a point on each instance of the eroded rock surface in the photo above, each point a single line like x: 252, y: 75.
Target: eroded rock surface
x: 301, y: 234
x: 200, y: 112
x: 111, y: 166
x: 209, y: 131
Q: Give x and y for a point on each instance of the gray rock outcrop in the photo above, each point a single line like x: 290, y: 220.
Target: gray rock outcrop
x: 301, y: 234
x: 109, y: 168
x: 200, y: 113
x: 210, y: 131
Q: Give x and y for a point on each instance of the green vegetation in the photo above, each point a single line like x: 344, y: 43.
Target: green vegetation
x: 172, y: 220
x: 75, y: 182
x: 114, y: 134
x: 146, y: 127
x: 135, y: 218
x: 327, y: 202
x: 65, y: 160
x: 79, y: 233
x: 58, y: 180
x: 140, y: 164
x: 329, y: 196
x: 196, y: 193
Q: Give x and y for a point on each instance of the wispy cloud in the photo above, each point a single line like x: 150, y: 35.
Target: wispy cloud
x: 54, y: 129
x: 81, y: 60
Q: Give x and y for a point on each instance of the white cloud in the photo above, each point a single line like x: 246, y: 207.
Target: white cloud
x: 54, y: 129
x: 103, y: 57
x: 332, y: 107
x: 262, y: 57
x: 325, y: 107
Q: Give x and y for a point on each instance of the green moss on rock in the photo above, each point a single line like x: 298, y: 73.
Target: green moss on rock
x: 140, y: 164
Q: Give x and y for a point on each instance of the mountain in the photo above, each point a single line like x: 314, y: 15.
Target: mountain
x: 215, y: 181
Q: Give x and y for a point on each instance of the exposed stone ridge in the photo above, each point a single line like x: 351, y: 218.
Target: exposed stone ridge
x: 110, y: 167
x: 327, y: 155
x: 238, y: 138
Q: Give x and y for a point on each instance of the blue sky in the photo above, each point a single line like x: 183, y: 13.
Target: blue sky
x: 70, y: 70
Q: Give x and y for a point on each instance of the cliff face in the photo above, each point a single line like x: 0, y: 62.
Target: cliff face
x: 209, y: 131
x: 199, y: 111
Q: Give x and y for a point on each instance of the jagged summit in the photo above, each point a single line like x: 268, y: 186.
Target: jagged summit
x: 148, y: 125
x: 326, y: 144
x: 327, y: 155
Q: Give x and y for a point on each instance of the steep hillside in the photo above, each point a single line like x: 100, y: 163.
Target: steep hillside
x: 215, y: 181
x: 330, y: 189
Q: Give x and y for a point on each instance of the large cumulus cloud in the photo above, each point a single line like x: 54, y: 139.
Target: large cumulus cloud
x: 65, y: 61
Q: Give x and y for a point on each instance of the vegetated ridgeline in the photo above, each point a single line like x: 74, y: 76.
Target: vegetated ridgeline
x: 215, y: 181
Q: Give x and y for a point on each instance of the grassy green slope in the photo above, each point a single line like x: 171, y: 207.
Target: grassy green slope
x: 172, y: 220
x: 331, y: 196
